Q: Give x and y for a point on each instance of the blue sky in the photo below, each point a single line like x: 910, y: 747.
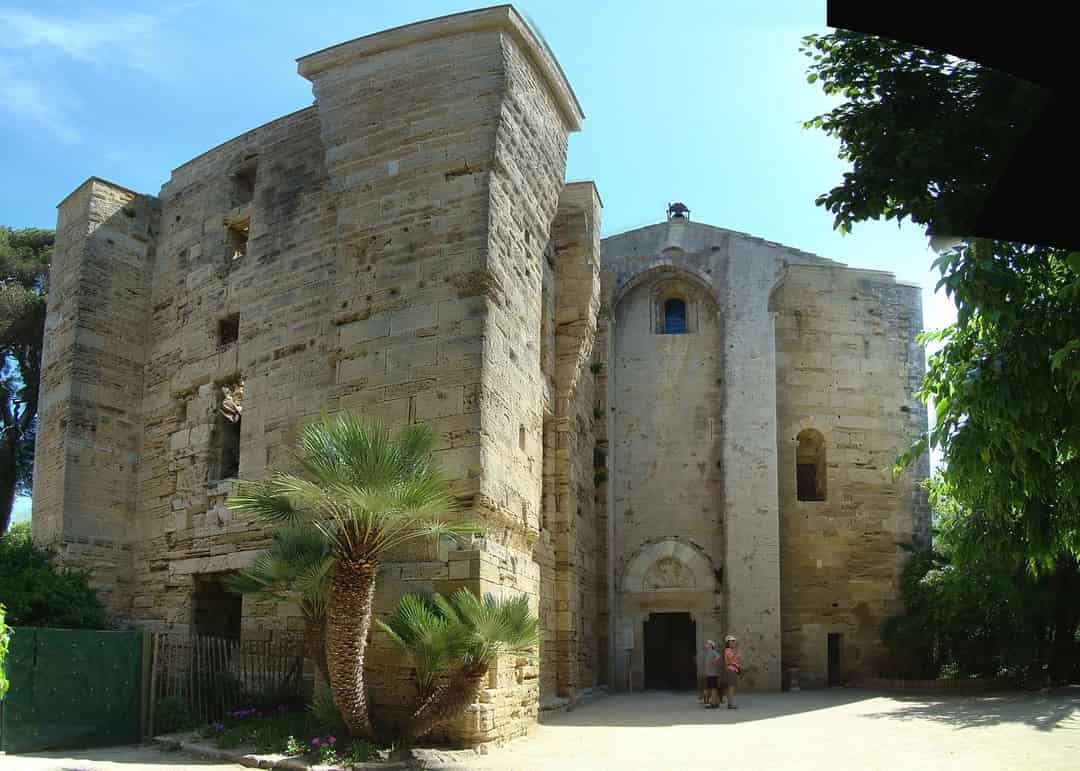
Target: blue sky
x: 700, y: 102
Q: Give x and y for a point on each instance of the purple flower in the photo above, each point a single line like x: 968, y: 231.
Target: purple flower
x: 331, y: 740
x: 315, y: 742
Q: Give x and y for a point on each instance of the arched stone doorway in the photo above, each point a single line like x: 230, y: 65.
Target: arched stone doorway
x: 668, y: 606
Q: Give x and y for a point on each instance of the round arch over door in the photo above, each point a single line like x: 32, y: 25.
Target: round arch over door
x: 668, y: 564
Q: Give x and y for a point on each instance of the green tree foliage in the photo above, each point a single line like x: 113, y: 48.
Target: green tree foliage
x: 980, y: 616
x: 1006, y: 388
x: 36, y: 593
x: 24, y: 273
x: 365, y: 492
x: 5, y: 635
x: 296, y: 569
x: 927, y: 136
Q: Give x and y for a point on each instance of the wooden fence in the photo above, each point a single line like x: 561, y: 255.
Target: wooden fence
x: 208, y: 677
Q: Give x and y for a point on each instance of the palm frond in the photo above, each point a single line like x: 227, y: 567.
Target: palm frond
x: 266, y: 501
x: 294, y: 568
x: 430, y: 640
x: 490, y: 626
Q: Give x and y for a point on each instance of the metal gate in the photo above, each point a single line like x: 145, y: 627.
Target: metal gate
x: 72, y: 688
x: 205, y: 677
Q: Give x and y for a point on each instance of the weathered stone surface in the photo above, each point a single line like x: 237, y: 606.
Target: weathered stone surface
x: 406, y: 249
x: 702, y: 459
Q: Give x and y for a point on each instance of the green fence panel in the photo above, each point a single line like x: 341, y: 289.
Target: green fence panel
x: 72, y: 688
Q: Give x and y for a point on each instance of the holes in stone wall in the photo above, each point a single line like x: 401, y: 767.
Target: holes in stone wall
x: 236, y: 239
x: 244, y: 183
x: 215, y: 610
x: 224, y: 462
x: 229, y: 329
x: 521, y: 437
x: 810, y: 466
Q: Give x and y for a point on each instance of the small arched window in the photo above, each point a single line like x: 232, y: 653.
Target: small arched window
x: 675, y: 317
x: 810, y: 466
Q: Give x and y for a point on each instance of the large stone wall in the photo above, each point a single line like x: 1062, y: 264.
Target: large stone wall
x: 406, y: 249
x: 576, y: 240
x: 696, y: 474
x: 381, y: 252
x: 847, y: 364
x: 666, y: 482
x: 91, y: 431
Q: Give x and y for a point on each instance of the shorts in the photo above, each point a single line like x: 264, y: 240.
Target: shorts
x: 711, y: 681
x: 729, y: 678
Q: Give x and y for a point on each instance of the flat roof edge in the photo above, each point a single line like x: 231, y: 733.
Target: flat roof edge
x: 501, y: 17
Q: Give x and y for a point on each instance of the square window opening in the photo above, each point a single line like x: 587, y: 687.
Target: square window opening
x: 244, y: 184
x: 229, y: 329
x: 225, y: 433
x: 216, y: 611
x: 237, y: 239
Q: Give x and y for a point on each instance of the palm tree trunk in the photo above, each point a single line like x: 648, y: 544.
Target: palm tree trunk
x: 315, y: 644
x: 447, y: 701
x: 348, y: 619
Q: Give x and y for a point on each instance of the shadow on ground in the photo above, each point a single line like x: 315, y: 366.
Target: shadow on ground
x: 648, y: 709
x: 134, y: 757
x: 1044, y: 710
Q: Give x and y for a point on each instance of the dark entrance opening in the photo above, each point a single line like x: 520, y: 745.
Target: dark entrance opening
x: 670, y: 652
x: 836, y: 642
x: 217, y: 611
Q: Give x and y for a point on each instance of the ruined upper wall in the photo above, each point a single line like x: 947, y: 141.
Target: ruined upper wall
x: 380, y: 251
x: 503, y: 18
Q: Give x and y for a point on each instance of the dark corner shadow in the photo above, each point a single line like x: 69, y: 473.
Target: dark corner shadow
x: 1044, y: 710
x: 141, y: 755
x: 650, y: 709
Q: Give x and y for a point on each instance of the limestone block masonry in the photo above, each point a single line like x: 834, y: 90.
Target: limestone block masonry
x: 406, y: 248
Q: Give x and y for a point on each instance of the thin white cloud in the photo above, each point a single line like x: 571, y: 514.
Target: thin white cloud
x: 128, y: 40
x: 32, y: 45
x: 28, y: 101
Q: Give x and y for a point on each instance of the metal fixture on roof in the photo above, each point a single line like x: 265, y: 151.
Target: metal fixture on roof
x: 677, y: 211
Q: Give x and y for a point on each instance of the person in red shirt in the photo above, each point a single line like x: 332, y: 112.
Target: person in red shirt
x: 732, y: 669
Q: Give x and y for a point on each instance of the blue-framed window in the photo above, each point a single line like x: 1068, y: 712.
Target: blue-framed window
x: 675, y: 317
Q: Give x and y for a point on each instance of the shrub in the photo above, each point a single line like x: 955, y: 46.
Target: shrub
x: 974, y: 620
x: 37, y: 593
x: 290, y: 733
x: 5, y: 631
x: 325, y: 713
x: 171, y: 715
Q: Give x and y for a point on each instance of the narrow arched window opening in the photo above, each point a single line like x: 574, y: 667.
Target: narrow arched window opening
x: 675, y: 317
x: 810, y: 466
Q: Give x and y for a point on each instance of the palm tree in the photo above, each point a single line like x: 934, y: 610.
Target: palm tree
x: 460, y: 636
x: 366, y: 492
x: 296, y: 569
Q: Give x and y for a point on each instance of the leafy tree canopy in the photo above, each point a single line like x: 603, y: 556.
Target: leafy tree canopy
x: 36, y: 593
x: 968, y: 613
x: 927, y: 136
x: 24, y: 272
